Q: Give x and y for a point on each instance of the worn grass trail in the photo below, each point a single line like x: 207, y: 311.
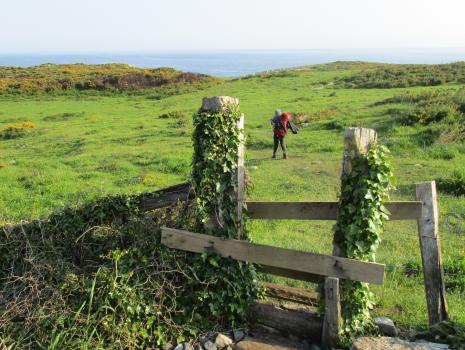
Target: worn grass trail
x: 117, y: 144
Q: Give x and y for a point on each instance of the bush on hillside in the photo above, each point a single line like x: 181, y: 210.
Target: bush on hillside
x: 454, y: 184
x: 441, y: 110
x: 103, y: 77
x: 402, y: 76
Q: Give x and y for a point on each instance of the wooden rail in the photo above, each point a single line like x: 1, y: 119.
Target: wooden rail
x: 410, y: 210
x: 318, y: 264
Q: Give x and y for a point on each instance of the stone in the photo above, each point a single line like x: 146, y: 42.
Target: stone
x: 218, y: 103
x: 167, y: 346
x: 386, y: 326
x: 222, y: 341
x: 267, y: 343
x: 388, y: 343
x: 179, y: 347
x: 209, y: 345
x: 238, y: 335
x: 188, y: 346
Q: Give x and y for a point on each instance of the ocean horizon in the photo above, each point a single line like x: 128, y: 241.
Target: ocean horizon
x: 234, y: 63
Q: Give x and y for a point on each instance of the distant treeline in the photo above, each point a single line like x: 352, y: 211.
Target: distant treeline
x: 104, y: 77
x: 400, y: 76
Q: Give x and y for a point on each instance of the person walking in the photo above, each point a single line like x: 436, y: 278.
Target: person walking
x: 280, y: 123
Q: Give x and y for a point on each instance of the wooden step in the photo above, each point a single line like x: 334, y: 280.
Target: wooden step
x: 296, y: 323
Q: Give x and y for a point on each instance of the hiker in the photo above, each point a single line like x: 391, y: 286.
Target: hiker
x: 281, y: 122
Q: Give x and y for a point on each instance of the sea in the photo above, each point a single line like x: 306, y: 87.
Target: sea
x: 234, y: 63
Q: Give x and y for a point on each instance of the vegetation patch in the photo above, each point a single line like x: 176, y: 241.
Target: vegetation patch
x: 454, y: 272
x: 454, y: 184
x: 402, y: 76
x: 308, y: 117
x: 63, y: 116
x: 80, y: 77
x: 442, y: 111
x: 13, y: 131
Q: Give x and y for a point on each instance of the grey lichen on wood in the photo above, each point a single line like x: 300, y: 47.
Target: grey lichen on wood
x: 357, y: 141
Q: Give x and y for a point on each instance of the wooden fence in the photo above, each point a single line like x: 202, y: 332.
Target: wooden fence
x: 317, y: 267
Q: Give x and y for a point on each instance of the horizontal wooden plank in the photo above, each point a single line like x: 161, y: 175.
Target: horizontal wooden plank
x: 317, y: 264
x: 297, y: 295
x: 165, y: 197
x: 409, y: 210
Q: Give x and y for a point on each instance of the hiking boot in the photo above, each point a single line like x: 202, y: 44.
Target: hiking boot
x: 274, y: 156
x: 284, y: 156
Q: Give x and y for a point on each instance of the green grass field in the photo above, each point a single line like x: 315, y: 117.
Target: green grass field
x: 85, y: 146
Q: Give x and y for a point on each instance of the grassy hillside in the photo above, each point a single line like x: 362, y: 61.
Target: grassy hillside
x: 81, y: 146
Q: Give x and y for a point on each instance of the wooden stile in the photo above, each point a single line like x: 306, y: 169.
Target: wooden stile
x: 428, y: 229
x: 407, y: 210
x: 317, y: 264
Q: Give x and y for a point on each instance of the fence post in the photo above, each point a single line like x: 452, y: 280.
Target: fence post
x: 217, y: 104
x: 240, y: 177
x: 357, y: 141
x: 332, y: 318
x: 428, y: 230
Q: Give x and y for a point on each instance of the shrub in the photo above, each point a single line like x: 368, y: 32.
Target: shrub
x: 12, y: 131
x: 454, y: 185
x: 443, y: 152
x: 401, y: 76
x: 334, y: 125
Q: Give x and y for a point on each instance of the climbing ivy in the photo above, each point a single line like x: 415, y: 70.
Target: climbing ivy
x: 214, y: 180
x: 361, y: 219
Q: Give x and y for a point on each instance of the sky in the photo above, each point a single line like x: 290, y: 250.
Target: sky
x: 65, y: 26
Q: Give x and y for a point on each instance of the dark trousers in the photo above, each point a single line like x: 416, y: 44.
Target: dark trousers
x: 279, y: 140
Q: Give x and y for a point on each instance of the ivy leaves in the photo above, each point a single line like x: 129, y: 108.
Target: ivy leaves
x: 231, y: 284
x: 359, y: 227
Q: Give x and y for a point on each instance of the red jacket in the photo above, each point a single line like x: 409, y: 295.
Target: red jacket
x: 280, y: 127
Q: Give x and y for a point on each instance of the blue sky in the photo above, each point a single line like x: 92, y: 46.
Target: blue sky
x: 160, y: 25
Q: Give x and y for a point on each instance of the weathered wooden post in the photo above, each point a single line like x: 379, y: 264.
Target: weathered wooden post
x: 428, y: 230
x: 217, y: 104
x: 332, y: 318
x: 357, y: 142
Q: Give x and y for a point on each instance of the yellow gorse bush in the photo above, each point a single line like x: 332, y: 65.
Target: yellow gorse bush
x: 15, y: 130
x: 28, y: 124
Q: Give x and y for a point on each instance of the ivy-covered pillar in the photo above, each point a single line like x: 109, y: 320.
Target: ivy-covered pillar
x: 218, y: 183
x: 365, y: 182
x: 218, y: 165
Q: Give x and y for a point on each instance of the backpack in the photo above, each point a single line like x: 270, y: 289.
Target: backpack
x: 280, y: 128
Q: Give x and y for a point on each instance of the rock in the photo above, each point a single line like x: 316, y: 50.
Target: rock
x: 265, y: 343
x: 167, y: 346
x: 218, y: 103
x: 179, y: 347
x: 388, y: 343
x: 198, y: 347
x: 222, y: 341
x: 188, y: 346
x: 209, y: 345
x: 386, y: 326
x: 238, y: 335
